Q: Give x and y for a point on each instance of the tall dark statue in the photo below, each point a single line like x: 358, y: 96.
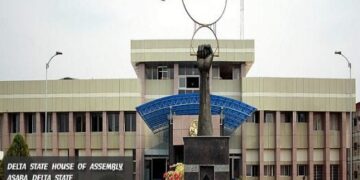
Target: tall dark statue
x: 204, y: 60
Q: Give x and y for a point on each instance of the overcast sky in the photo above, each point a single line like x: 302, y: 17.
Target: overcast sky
x: 294, y: 38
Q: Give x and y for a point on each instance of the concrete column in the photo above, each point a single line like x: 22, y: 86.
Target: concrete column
x: 243, y: 149
x: 39, y: 150
x: 5, y: 132
x: 139, y: 147
x: 71, y: 137
x: 22, y: 125
x: 344, y: 119
x: 261, y: 145
x: 176, y: 79
x: 104, y: 134
x: 87, y: 134
x: 311, y: 146
x: 141, y: 77
x: 121, y: 133
x: 139, y: 125
x: 54, y: 134
x: 278, y: 144
x: 294, y: 146
x: 327, y: 146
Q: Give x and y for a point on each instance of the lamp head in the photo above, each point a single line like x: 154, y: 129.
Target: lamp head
x: 338, y: 52
x: 58, y: 53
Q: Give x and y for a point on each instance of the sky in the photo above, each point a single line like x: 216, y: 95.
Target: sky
x: 294, y: 38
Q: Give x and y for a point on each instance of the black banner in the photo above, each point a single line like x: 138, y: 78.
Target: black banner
x: 68, y: 168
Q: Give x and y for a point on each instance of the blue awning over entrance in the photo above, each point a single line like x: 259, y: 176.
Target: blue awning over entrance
x: 156, y: 113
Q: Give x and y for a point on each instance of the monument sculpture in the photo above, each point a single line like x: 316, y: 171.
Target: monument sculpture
x: 204, y: 60
x: 206, y: 157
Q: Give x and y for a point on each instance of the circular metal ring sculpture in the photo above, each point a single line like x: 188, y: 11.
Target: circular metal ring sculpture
x: 192, y: 50
x: 206, y: 25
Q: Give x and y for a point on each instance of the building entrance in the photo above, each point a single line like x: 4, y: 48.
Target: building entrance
x: 235, y: 166
x: 155, y: 167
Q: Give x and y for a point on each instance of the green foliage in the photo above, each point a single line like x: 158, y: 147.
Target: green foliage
x: 17, y: 148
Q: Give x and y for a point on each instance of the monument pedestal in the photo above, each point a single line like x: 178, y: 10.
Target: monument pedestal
x: 206, y: 157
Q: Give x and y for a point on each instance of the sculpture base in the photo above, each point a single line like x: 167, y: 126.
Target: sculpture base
x: 206, y: 157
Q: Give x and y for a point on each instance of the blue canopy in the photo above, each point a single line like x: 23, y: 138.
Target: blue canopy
x: 156, y: 113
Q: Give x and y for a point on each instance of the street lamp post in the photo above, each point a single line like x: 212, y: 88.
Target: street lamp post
x: 46, y: 89
x: 351, y: 121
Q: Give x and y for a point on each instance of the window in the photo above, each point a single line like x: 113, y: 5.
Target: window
x: 30, y: 121
x: 318, y: 121
x: 48, y: 122
x: 189, y: 79
x: 334, y: 172
x: 252, y: 170
x: 226, y: 71
x: 334, y: 121
x: 113, y: 121
x: 285, y: 170
x: 302, y: 117
x: 254, y: 118
x: 318, y: 172
x: 269, y: 170
x: 189, y: 84
x: 63, y: 122
x: 14, y: 122
x: 355, y: 146
x: 302, y: 170
x: 96, y: 122
x: 80, y: 123
x: 286, y: 117
x: 130, y: 121
x: 269, y: 117
x: 163, y: 72
x: 159, y: 71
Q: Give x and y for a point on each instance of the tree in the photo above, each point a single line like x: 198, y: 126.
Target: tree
x: 18, y: 148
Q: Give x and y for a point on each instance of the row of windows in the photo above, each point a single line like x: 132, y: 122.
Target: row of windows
x: 96, y: 121
x: 286, y: 170
x: 166, y: 71
x: 302, y: 117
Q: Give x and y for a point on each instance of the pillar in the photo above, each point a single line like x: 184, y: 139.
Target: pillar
x: 5, y: 132
x: 139, y: 147
x: 261, y: 145
x: 344, y: 120
x: 311, y: 146
x: 243, y: 148
x: 327, y: 146
x: 71, y: 137
x: 139, y: 125
x: 22, y: 125
x: 278, y: 144
x: 87, y: 134
x: 294, y: 146
x: 104, y: 134
x: 121, y: 133
x: 54, y: 134
x: 176, y: 79
x: 39, y: 149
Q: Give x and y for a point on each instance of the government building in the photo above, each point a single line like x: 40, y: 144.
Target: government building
x: 299, y: 127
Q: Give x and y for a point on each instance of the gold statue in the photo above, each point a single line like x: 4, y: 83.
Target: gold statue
x: 193, y: 130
